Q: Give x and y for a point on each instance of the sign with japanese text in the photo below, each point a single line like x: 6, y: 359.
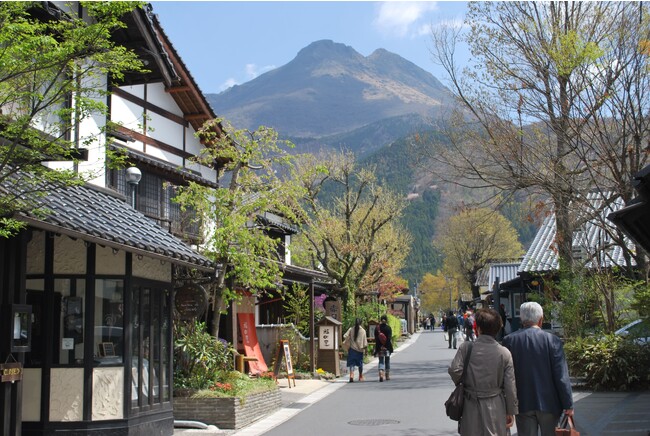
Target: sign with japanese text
x: 326, y: 337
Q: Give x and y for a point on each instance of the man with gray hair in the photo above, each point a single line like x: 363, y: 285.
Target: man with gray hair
x: 541, y: 373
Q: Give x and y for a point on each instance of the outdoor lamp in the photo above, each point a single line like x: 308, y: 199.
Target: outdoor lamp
x: 133, y: 176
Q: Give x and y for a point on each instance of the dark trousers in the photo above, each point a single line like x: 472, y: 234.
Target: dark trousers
x: 452, y: 336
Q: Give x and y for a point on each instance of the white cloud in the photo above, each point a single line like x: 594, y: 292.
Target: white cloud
x: 251, y: 71
x: 403, y: 18
x: 228, y: 84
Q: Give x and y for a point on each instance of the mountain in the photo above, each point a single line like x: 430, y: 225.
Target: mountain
x: 329, y: 89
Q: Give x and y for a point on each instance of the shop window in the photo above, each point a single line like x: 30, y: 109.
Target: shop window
x: 151, y: 330
x: 69, y: 298
x: 109, y: 321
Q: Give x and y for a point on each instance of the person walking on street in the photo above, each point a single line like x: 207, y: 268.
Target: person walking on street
x: 383, y: 347
x: 490, y: 387
x: 542, y: 373
x: 469, y: 326
x: 358, y: 345
x: 451, y: 327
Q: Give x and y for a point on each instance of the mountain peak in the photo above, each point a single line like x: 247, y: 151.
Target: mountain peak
x: 326, y: 49
x: 330, y: 88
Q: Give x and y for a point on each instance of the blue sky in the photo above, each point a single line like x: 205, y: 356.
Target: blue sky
x: 231, y: 42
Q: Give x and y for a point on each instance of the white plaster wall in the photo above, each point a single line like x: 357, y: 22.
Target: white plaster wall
x: 32, y: 378
x: 90, y: 137
x: 108, y: 262
x: 136, y: 90
x: 193, y: 145
x: 150, y: 268
x: 108, y: 393
x: 165, y: 130
x: 127, y: 114
x: 36, y: 253
x: 156, y: 95
x: 165, y: 156
x: 69, y: 256
x: 66, y: 394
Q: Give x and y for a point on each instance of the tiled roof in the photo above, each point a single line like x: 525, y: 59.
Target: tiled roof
x: 95, y: 215
x: 590, y: 238
x: 504, y: 271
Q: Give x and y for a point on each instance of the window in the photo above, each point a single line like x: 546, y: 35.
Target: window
x: 109, y: 321
x: 151, y: 339
x: 154, y: 198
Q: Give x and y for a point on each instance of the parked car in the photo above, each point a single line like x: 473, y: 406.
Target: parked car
x: 638, y: 331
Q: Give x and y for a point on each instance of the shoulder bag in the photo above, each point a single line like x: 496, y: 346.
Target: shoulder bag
x: 347, y: 341
x: 566, y: 427
x: 454, y: 405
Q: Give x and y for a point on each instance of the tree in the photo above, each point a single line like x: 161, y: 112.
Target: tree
x: 257, y: 167
x: 473, y: 238
x: 53, y: 72
x: 615, y: 148
x: 539, y: 86
x: 354, y: 236
x: 436, y: 293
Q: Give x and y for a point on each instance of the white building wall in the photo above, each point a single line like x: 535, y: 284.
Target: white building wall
x: 157, y: 96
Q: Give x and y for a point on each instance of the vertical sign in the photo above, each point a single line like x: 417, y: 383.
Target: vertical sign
x: 326, y: 337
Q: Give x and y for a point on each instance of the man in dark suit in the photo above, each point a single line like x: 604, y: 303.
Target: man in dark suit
x: 541, y: 372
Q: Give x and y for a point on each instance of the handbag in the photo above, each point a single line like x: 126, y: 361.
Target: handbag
x: 566, y: 427
x: 455, y: 402
x: 346, y: 342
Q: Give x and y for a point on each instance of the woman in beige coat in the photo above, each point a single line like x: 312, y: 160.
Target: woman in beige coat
x: 490, y: 389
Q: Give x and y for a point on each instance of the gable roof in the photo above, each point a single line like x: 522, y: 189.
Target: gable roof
x: 589, y: 239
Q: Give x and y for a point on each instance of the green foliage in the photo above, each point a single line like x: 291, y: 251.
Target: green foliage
x: 641, y: 301
x: 609, y: 363
x: 257, y: 165
x: 296, y: 306
x: 44, y: 64
x: 235, y: 384
x: 298, y: 346
x: 198, y: 356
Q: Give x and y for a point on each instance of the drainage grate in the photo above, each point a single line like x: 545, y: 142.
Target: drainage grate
x: 373, y: 422
x: 297, y: 405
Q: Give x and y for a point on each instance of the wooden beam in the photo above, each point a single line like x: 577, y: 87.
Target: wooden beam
x: 176, y: 89
x: 192, y: 117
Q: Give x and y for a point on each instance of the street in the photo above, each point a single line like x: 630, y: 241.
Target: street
x: 411, y: 403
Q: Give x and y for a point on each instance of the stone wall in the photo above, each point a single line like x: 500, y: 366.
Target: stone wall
x: 227, y: 413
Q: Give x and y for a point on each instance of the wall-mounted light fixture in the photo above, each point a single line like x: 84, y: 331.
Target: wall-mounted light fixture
x: 133, y: 177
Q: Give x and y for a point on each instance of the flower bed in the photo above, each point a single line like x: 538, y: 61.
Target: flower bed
x: 227, y: 412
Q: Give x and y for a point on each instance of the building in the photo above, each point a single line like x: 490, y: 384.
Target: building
x: 97, y: 277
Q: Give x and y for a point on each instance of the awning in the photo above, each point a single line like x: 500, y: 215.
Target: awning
x: 97, y: 215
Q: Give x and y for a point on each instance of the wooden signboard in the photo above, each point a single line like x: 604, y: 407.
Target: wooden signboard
x: 284, y: 352
x: 12, y: 372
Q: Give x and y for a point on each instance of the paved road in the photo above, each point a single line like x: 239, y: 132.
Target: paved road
x: 411, y: 403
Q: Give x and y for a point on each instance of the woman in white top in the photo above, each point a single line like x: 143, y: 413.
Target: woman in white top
x: 358, y: 345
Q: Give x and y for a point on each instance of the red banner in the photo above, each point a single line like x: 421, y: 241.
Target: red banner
x: 251, y: 344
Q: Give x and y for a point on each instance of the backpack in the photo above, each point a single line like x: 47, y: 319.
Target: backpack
x: 381, y: 336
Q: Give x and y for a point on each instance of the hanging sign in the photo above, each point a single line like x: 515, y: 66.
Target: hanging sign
x: 11, y: 372
x: 190, y: 301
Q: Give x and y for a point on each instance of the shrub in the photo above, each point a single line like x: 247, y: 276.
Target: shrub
x: 609, y: 363
x: 198, y: 357
x: 228, y: 384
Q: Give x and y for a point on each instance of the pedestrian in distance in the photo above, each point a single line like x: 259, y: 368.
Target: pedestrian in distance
x: 451, y: 327
x: 490, y: 388
x: 358, y: 345
x: 543, y: 385
x: 469, y: 326
x: 383, y: 347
